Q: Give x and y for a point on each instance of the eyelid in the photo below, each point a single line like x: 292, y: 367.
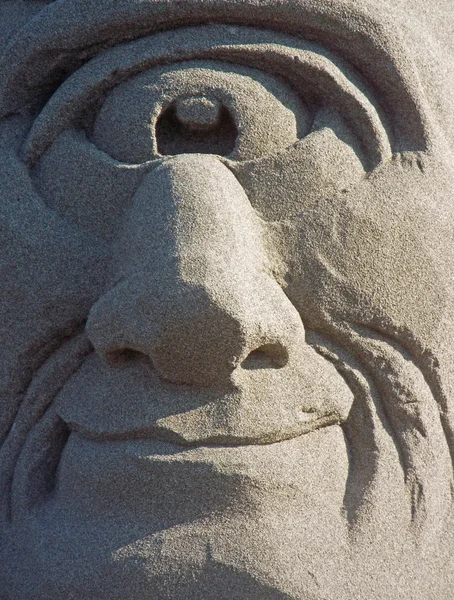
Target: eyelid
x: 267, y: 115
x: 301, y: 62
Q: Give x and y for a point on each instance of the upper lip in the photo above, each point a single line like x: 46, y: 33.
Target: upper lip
x: 112, y: 404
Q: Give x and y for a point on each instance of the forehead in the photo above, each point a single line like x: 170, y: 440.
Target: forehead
x: 421, y: 23
x: 340, y: 24
x: 434, y: 19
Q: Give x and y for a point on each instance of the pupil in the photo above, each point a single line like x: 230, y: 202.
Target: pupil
x: 196, y: 125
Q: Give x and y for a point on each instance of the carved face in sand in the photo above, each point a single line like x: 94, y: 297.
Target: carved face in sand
x: 227, y: 263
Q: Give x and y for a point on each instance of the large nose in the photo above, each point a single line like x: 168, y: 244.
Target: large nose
x: 195, y: 291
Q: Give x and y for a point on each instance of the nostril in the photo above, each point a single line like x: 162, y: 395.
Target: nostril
x: 123, y: 356
x: 268, y: 356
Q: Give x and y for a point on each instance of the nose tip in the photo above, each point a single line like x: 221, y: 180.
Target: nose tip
x: 194, y: 336
x: 194, y: 295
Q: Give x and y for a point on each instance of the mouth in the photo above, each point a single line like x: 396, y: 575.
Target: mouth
x: 77, y: 397
x: 142, y: 482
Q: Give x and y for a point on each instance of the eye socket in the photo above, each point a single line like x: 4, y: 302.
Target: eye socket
x: 317, y: 76
x: 200, y: 106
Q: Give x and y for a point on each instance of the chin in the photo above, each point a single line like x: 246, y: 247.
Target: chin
x: 156, y: 517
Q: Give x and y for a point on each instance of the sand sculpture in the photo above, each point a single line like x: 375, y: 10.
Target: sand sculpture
x: 227, y: 239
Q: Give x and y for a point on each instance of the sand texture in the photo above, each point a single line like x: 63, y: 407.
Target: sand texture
x: 226, y: 300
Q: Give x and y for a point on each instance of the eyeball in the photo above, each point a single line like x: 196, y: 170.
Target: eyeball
x: 198, y: 112
x: 200, y: 106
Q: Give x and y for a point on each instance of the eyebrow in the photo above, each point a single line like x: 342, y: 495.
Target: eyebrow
x: 66, y: 34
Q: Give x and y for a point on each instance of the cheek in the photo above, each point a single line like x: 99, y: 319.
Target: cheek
x: 86, y: 186
x: 51, y: 271
x: 279, y: 187
x: 372, y: 255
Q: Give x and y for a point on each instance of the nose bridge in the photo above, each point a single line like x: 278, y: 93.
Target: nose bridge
x: 191, y: 219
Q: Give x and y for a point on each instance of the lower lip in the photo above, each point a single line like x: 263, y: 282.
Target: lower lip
x: 144, y: 478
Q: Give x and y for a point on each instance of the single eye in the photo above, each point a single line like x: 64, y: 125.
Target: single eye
x: 208, y: 107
